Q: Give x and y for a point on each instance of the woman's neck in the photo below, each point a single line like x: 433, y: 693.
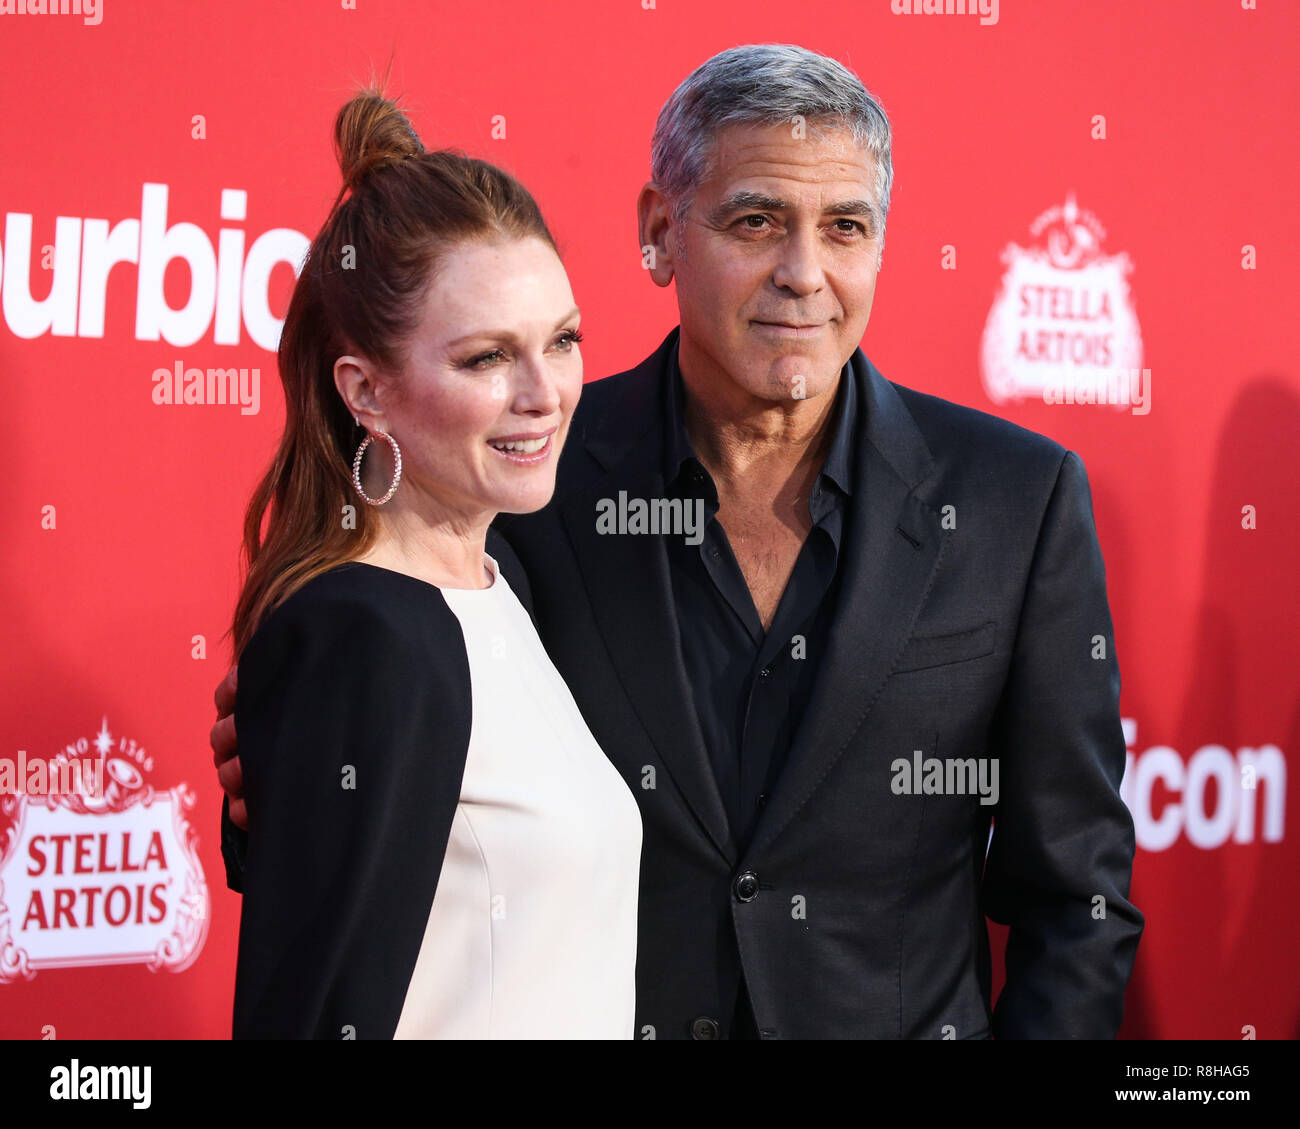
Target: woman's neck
x: 449, y: 553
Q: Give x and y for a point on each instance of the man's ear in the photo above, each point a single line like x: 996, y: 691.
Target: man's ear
x: 354, y: 377
x: 654, y: 226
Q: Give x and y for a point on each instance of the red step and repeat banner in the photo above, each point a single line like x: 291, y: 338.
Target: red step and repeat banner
x: 1099, y: 193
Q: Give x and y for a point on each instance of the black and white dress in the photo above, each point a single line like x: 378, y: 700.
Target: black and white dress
x: 439, y: 848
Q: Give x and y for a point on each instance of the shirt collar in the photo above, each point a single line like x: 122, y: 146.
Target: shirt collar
x: 677, y: 450
x: 838, y: 467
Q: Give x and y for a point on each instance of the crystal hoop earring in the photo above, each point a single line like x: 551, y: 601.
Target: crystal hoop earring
x: 397, y: 468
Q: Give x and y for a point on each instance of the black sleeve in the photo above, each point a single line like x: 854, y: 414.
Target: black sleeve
x: 353, y: 719
x: 1060, y: 863
x: 234, y: 840
x: 234, y: 846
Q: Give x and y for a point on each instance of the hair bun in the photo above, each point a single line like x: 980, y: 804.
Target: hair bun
x: 372, y: 132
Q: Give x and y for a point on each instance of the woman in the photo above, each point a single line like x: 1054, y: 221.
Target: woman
x: 439, y: 847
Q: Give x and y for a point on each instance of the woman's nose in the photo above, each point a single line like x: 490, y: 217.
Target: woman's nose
x: 536, y: 389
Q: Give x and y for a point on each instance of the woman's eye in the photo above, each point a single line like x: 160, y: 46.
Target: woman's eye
x: 569, y: 339
x: 484, y: 359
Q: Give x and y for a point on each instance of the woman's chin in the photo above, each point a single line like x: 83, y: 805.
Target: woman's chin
x: 525, y: 501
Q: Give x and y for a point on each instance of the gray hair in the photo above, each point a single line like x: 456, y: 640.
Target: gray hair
x: 762, y: 84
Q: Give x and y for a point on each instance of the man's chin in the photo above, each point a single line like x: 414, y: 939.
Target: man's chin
x: 792, y: 375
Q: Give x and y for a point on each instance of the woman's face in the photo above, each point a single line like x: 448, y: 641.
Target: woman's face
x: 482, y: 407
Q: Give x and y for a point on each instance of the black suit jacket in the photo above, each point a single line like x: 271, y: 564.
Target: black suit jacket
x: 856, y: 911
x: 970, y: 635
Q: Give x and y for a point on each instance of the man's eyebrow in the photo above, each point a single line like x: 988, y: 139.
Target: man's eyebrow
x: 746, y: 200
x: 852, y: 208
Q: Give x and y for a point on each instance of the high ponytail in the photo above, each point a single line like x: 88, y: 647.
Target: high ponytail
x: 399, y: 210
x: 371, y: 133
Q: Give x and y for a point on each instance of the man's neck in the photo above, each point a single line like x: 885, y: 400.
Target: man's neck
x: 759, y: 446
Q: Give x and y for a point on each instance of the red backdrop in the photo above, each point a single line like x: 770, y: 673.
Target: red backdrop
x: 1104, y: 185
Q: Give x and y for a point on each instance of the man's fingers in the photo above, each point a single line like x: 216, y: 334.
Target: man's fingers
x: 231, y: 776
x: 222, y: 739
x: 225, y: 693
x: 225, y: 749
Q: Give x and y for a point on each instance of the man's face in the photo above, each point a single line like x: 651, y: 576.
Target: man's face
x: 776, y: 266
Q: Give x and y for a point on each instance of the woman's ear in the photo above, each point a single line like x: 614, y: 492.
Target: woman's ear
x: 354, y: 377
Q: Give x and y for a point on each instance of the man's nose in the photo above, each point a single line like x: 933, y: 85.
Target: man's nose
x: 799, y: 262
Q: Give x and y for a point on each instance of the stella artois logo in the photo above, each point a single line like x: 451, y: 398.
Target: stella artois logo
x: 1063, y: 328
x: 97, y: 866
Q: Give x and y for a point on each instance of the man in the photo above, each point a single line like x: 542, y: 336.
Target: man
x: 888, y: 626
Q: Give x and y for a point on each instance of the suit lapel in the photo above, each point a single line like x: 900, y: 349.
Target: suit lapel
x: 628, y: 583
x: 890, y: 558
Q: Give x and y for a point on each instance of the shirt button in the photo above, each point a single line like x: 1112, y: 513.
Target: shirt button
x: 705, y: 1028
x: 762, y: 800
x: 747, y: 886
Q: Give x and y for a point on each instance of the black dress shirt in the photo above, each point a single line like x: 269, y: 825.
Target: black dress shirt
x: 751, y: 687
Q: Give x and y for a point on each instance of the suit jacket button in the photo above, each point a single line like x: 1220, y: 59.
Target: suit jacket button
x: 747, y: 886
x: 705, y: 1028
